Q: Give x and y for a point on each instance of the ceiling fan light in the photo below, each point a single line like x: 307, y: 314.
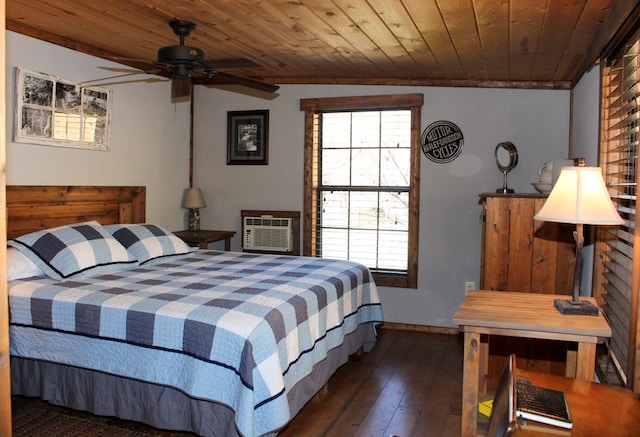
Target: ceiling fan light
x: 181, y: 71
x: 180, y: 87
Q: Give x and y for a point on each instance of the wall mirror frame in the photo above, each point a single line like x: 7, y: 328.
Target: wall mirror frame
x: 506, y: 155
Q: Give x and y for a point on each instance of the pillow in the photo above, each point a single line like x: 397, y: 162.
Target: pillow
x: 21, y: 267
x: 148, y: 242
x: 73, y: 251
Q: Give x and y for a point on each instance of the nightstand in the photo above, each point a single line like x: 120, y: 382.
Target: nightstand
x: 202, y: 238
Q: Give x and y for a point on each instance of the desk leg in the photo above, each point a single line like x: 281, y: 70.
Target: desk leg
x: 586, y: 361
x: 483, y: 367
x: 469, y: 426
x: 227, y: 244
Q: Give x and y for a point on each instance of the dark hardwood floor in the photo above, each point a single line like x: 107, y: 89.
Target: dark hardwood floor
x: 410, y: 384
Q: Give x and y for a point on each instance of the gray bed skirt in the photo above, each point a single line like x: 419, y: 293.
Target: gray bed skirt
x: 163, y: 407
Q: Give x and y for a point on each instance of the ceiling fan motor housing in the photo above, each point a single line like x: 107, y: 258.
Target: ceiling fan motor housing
x: 181, y: 58
x: 180, y: 55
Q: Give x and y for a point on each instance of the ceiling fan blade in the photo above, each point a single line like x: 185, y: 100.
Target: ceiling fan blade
x: 214, y: 64
x: 180, y: 87
x: 102, y: 79
x: 109, y: 81
x: 149, y: 67
x: 121, y: 70
x: 223, y: 78
x: 126, y: 60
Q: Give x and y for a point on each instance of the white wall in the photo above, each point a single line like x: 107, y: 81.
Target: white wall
x: 536, y: 121
x: 149, y: 134
x: 586, y: 117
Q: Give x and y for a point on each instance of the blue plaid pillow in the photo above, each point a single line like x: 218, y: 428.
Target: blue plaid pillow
x: 148, y: 242
x: 73, y: 251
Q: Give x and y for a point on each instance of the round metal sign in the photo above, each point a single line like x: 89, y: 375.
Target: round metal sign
x: 442, y: 141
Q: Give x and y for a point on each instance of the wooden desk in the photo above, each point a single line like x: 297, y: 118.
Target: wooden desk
x: 202, y: 238
x: 597, y: 409
x: 527, y: 315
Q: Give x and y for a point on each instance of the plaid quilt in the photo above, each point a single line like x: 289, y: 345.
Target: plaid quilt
x: 240, y: 329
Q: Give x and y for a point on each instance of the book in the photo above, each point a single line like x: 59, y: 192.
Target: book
x: 543, y: 405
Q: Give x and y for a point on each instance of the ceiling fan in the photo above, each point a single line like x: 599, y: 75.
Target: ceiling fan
x: 185, y: 64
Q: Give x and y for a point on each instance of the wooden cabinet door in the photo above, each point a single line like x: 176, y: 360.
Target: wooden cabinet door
x: 530, y: 256
x: 523, y: 254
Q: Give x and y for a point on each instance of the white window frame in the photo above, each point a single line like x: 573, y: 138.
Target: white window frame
x: 44, y: 119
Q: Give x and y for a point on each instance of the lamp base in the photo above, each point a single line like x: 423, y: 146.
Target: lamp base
x: 581, y: 308
x: 194, y: 219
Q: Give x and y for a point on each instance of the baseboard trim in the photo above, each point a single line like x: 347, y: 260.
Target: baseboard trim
x: 419, y: 328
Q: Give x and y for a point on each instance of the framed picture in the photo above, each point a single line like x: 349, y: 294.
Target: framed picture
x: 247, y: 137
x: 58, y: 112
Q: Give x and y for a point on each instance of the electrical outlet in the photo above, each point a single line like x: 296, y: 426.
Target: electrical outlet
x: 468, y: 286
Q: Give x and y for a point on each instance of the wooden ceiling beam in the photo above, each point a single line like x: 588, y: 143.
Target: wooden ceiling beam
x: 461, y: 83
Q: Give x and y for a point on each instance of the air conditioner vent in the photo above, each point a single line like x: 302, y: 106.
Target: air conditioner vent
x: 268, y: 233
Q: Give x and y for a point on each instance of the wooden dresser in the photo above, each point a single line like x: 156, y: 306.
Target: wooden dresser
x: 524, y: 255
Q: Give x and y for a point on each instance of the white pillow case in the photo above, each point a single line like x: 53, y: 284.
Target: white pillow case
x: 21, y: 267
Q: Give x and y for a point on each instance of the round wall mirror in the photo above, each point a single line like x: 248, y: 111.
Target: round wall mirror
x: 506, y: 160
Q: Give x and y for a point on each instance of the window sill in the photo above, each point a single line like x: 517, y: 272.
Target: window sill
x: 400, y: 280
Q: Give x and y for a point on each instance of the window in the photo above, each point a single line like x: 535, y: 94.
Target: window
x: 362, y: 165
x: 618, y: 275
x: 56, y: 112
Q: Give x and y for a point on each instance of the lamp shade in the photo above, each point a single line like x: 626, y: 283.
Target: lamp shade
x: 193, y: 199
x: 580, y: 196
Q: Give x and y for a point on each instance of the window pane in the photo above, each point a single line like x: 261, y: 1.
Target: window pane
x: 394, y: 211
x: 395, y: 167
x: 90, y: 127
x: 332, y: 244
x: 335, y: 209
x: 396, y: 129
x: 336, y: 130
x: 67, y: 127
x: 336, y: 166
x: 365, y: 167
x: 363, y: 247
x: 392, y: 253
x: 363, y: 210
x: 100, y: 134
x: 366, y: 129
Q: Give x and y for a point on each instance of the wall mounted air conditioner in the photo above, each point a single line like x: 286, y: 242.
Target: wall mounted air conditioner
x: 268, y: 233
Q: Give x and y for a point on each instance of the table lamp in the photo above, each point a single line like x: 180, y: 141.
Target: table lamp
x: 193, y: 201
x: 579, y: 196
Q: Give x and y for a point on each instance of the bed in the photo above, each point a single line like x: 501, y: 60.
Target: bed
x: 217, y: 343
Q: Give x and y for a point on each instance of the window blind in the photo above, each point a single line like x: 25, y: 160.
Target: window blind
x: 363, y: 188
x: 617, y: 287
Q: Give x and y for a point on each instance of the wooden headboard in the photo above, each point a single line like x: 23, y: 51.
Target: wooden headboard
x: 35, y: 207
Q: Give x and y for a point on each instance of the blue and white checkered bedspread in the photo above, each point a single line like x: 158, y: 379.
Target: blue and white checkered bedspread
x: 237, y: 328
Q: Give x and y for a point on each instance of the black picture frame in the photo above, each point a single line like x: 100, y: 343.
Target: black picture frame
x: 248, y: 137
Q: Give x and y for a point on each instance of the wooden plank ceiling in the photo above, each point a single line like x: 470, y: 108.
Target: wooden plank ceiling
x: 493, y: 43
